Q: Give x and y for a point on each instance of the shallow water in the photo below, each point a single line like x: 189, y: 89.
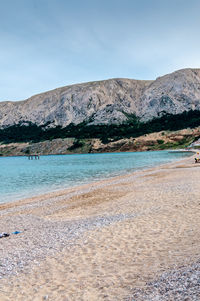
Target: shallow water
x: 22, y: 178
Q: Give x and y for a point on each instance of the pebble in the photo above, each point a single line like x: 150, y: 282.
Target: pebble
x: 180, y: 284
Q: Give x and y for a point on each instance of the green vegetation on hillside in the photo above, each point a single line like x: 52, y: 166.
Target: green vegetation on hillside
x: 132, y: 128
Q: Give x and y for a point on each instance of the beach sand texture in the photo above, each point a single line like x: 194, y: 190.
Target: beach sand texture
x: 134, y: 237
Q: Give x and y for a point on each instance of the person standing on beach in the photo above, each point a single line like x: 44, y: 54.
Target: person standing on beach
x: 197, y: 158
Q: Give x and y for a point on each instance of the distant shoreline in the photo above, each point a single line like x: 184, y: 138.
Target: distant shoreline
x: 163, y: 140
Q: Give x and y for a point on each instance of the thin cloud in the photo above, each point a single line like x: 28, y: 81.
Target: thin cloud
x: 47, y: 44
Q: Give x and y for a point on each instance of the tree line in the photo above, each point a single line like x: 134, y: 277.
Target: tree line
x: 134, y: 127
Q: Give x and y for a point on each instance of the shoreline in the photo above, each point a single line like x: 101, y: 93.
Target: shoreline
x: 112, y: 236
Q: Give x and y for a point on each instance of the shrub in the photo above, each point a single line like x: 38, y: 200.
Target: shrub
x: 160, y: 141
x: 75, y: 145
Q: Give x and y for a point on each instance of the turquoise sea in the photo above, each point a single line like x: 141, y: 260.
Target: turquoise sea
x: 21, y: 178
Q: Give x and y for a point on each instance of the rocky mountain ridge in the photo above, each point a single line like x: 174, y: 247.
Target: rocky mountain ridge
x: 108, y: 102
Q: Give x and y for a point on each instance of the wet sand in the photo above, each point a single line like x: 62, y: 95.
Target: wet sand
x: 116, y: 239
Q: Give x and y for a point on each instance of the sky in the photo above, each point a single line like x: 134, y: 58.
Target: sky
x: 46, y: 44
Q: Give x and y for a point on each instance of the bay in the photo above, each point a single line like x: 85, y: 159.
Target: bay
x: 22, y: 178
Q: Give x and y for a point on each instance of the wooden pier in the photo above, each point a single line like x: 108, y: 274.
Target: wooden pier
x: 36, y: 157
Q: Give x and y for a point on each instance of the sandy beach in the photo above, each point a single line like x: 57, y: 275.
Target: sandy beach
x: 133, y: 237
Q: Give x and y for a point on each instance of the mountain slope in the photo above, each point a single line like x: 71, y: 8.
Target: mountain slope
x: 108, y: 101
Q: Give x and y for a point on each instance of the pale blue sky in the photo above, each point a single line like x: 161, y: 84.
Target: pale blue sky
x: 45, y: 44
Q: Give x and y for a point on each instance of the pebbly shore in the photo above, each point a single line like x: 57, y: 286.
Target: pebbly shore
x: 133, y: 238
x: 182, y: 284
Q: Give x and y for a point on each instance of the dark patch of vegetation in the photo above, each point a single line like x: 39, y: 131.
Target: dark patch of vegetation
x: 27, y: 151
x: 132, y: 119
x: 160, y: 141
x: 132, y: 128
x: 77, y: 144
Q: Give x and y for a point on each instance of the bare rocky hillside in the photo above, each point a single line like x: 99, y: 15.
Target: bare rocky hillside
x: 108, y: 101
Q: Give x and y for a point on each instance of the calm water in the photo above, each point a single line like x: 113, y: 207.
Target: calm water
x: 21, y: 178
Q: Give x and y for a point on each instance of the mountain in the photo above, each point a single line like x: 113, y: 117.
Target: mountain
x: 107, y: 102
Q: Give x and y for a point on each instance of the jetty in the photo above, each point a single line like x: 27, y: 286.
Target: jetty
x: 36, y: 157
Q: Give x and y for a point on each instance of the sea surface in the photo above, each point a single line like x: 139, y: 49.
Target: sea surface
x: 22, y: 178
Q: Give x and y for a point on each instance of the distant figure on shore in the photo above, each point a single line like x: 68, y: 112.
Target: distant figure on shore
x: 197, y: 158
